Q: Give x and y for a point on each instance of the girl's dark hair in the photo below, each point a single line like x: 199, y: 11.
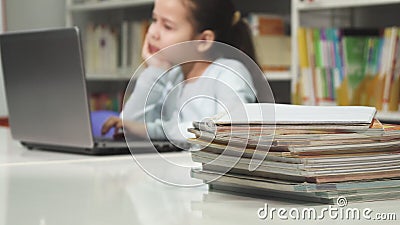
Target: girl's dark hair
x: 218, y: 16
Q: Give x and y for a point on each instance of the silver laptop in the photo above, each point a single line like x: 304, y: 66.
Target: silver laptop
x: 46, y: 94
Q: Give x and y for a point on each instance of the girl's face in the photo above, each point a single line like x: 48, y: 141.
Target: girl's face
x: 170, y: 25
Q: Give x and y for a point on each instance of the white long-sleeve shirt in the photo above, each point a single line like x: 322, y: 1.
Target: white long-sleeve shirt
x: 168, y: 105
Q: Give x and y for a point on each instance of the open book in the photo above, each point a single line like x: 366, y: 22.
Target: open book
x: 300, y: 116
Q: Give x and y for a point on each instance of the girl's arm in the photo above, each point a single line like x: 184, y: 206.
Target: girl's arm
x: 224, y: 89
x: 145, y: 96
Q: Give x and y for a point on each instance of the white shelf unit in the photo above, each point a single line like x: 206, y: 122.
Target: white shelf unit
x: 75, y: 7
x: 271, y: 76
x: 329, y: 4
x: 357, y: 13
x: 278, y: 76
x: 105, y: 77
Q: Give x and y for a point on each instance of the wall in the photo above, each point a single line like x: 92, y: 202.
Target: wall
x: 28, y: 14
x: 3, y: 105
x: 3, y: 111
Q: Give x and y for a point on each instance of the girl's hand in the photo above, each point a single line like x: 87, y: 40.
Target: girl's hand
x: 145, y: 49
x: 153, y: 59
x: 131, y: 127
x: 112, y: 122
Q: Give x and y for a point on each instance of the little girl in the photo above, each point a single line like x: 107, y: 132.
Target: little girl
x: 164, y: 103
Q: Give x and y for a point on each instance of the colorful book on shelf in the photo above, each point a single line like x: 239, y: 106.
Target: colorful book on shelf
x: 355, y: 59
x: 367, y: 88
x: 390, y: 76
x: 349, y: 66
x: 4, y: 122
x: 311, y: 79
x: 106, y: 101
x: 304, y: 85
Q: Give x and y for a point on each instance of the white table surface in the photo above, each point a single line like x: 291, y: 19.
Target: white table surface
x: 40, y: 187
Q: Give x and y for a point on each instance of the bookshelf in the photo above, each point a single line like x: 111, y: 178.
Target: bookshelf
x: 338, y: 14
x: 329, y: 4
x: 106, y: 84
x: 105, y: 5
x: 278, y: 76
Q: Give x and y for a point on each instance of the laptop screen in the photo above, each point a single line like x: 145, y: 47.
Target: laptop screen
x: 45, y: 87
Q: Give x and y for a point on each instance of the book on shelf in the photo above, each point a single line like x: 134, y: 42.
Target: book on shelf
x: 114, y: 49
x: 273, y: 52
x: 266, y: 24
x: 272, y: 44
x: 348, y: 66
x: 106, y: 101
x: 101, y: 49
x: 137, y: 32
x: 298, y: 154
x: 357, y: 49
x: 4, y: 121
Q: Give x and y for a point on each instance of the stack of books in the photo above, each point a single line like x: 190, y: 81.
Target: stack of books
x: 313, y: 153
